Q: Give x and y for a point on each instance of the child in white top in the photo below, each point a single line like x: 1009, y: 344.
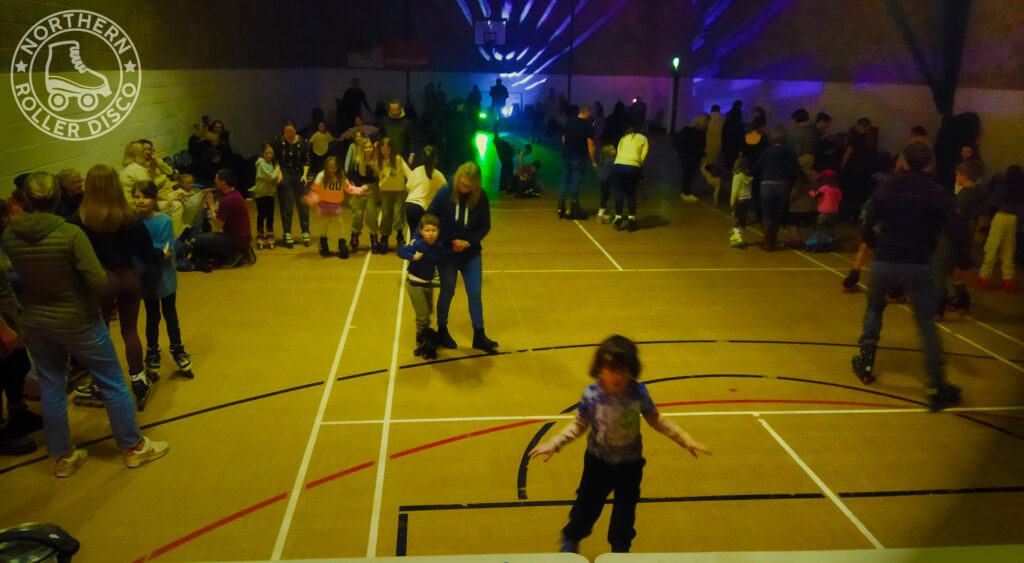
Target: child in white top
x: 392, y: 173
x: 422, y: 185
x: 319, y: 143
x: 740, y: 201
x: 268, y: 176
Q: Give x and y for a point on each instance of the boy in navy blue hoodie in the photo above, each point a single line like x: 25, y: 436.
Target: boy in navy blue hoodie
x: 424, y: 255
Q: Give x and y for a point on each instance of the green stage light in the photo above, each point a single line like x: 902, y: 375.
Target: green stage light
x: 483, y: 115
x: 675, y: 63
x: 481, y: 141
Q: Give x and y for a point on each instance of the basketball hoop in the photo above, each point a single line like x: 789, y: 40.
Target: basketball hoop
x: 489, y: 32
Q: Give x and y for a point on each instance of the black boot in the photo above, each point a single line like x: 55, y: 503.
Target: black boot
x: 342, y: 251
x: 561, y: 209
x: 382, y: 246
x: 445, y: 339
x: 577, y: 212
x: 943, y: 397
x: 23, y: 421
x: 399, y: 239
x: 481, y: 342
x: 354, y: 243
x: 374, y: 245
x: 864, y: 363
x: 13, y: 445
x: 324, y: 250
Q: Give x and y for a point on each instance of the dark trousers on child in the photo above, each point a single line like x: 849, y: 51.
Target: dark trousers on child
x: 625, y: 179
x: 600, y: 478
x: 170, y: 314
x: 265, y: 214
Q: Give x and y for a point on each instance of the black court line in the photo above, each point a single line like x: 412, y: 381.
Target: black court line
x: 524, y: 350
x: 403, y: 511
x: 850, y: 345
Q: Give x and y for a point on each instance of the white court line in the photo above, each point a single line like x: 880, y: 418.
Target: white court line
x: 293, y: 498
x: 821, y: 485
x: 539, y: 418
x: 597, y: 244
x: 382, y: 458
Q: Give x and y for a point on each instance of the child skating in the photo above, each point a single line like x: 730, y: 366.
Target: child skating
x: 740, y: 201
x: 424, y: 254
x: 614, y: 457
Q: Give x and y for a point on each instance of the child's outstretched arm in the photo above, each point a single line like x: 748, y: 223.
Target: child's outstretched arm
x: 666, y: 427
x: 575, y: 429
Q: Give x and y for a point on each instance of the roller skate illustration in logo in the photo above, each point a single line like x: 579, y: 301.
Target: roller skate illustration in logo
x: 85, y: 87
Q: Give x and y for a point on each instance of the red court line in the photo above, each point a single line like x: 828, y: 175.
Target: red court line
x: 209, y: 528
x: 785, y: 401
x: 323, y: 480
x: 462, y: 437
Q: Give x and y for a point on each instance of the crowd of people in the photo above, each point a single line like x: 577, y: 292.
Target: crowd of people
x: 79, y: 253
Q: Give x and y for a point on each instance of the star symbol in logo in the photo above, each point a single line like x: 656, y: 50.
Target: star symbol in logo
x: 129, y: 67
x: 21, y: 66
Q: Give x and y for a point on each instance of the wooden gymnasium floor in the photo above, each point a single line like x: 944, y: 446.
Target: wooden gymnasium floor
x: 311, y: 430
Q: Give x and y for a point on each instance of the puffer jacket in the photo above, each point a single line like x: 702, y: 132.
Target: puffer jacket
x: 59, y: 271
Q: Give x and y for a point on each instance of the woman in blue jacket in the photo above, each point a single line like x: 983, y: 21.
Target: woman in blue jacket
x: 465, y: 218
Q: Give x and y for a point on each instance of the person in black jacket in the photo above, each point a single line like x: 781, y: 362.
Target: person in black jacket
x: 778, y: 169
x: 733, y: 130
x: 902, y: 222
x: 465, y: 216
x: 690, y: 142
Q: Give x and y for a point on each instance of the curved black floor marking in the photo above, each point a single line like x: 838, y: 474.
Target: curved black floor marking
x: 521, y: 474
x: 850, y: 345
x: 459, y: 358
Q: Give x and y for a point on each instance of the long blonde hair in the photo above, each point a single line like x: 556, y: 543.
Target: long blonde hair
x: 359, y: 156
x: 133, y: 153
x: 471, y: 172
x: 104, y: 208
x: 378, y: 156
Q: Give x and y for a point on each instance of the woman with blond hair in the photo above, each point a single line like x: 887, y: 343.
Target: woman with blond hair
x: 465, y: 216
x: 119, y: 238
x: 62, y: 276
x: 133, y: 169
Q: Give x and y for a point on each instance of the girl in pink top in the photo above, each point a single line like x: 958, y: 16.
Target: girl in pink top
x: 327, y: 193
x: 828, y: 196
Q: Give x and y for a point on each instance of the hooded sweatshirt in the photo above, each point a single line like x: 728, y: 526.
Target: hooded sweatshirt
x: 59, y: 270
x: 461, y: 222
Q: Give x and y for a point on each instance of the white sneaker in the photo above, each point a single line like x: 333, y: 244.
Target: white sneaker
x: 150, y: 451
x: 67, y: 465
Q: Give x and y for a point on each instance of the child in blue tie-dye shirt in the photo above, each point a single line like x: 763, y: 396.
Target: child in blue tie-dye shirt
x: 614, y: 457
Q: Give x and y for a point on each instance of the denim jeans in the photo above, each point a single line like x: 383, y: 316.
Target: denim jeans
x: 572, y: 177
x: 916, y: 281
x: 290, y: 193
x: 472, y: 270
x: 94, y: 351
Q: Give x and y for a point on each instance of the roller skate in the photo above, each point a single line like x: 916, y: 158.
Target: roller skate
x: 896, y: 296
x: 850, y: 282
x: 577, y: 213
x: 561, y: 209
x: 87, y: 395
x: 961, y: 300
x: 382, y: 246
x: 943, y: 397
x: 270, y: 241
x: 305, y: 238
x: 86, y: 87
x: 603, y: 218
x: 1007, y: 286
x: 374, y: 245
x: 399, y: 239
x: 812, y: 244
x: 342, y: 251
x: 140, y: 388
x: 261, y: 240
x: 736, y: 239
x: 982, y: 283
x: 183, y: 360
x: 426, y: 344
x: 153, y: 359
x: 76, y: 376
x: 354, y: 242
x: 864, y: 363
x: 288, y: 242
x: 324, y: 250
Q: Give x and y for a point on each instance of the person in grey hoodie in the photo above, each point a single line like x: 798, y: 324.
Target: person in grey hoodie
x: 62, y: 277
